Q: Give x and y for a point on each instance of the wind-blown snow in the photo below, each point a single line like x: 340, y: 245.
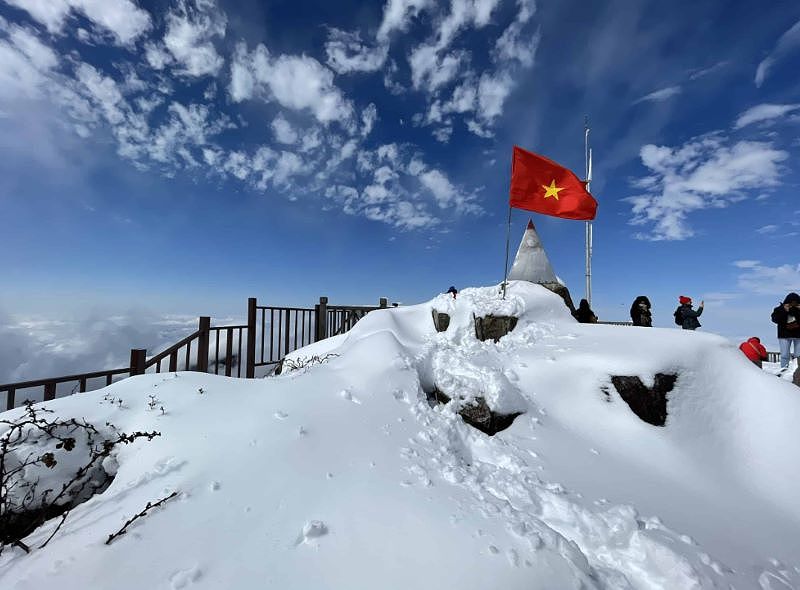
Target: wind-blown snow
x: 340, y: 475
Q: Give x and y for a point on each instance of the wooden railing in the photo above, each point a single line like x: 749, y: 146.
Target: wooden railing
x: 270, y: 334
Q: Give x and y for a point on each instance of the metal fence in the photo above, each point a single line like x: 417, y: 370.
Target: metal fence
x: 271, y: 332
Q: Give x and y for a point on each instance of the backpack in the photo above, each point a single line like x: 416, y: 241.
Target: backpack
x: 678, y: 317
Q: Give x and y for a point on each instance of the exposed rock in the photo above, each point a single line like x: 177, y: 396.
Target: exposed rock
x: 477, y: 414
x: 649, y: 403
x: 494, y: 327
x: 796, y: 376
x: 440, y: 320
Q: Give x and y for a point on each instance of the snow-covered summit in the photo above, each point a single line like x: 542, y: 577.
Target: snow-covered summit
x: 343, y: 475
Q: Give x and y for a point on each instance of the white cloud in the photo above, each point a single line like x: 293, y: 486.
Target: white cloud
x: 283, y: 130
x: 764, y: 112
x: 443, y: 190
x: 288, y: 165
x: 430, y: 70
x: 121, y: 18
x: 189, y: 38
x: 25, y: 64
x: 369, y: 116
x: 397, y: 14
x: 660, y: 95
x: 767, y: 229
x: 296, y: 82
x: 701, y: 73
x: 492, y: 93
x: 706, y: 172
x: 788, y: 42
x: 768, y: 280
x: 512, y: 44
x: 348, y: 53
x: 156, y: 56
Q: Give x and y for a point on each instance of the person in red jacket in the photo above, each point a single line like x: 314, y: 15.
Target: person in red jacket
x: 754, y: 350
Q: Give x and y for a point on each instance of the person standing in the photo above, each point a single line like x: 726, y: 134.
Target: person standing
x: 754, y: 350
x: 685, y: 315
x: 787, y: 316
x: 584, y: 313
x: 640, y: 312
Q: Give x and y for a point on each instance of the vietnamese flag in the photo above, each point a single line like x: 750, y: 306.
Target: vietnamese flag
x: 539, y: 184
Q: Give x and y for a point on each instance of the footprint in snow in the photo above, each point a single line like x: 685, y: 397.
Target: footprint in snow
x: 281, y: 415
x: 184, y: 578
x: 313, y: 529
x: 348, y: 395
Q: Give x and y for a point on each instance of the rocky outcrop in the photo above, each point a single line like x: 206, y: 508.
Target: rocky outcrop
x: 494, y: 327
x: 476, y: 413
x: 649, y: 403
x: 440, y: 320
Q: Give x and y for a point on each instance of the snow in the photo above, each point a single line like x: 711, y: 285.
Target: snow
x: 341, y: 475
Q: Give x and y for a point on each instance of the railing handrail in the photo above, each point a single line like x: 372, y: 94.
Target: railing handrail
x: 174, y: 348
x: 62, y: 379
x: 354, y: 307
x: 286, y: 307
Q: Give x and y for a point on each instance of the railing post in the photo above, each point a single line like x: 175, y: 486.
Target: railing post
x: 49, y: 391
x: 138, y: 360
x: 229, y: 352
x: 383, y: 302
x: 202, y: 344
x: 10, y: 399
x: 252, y: 313
x: 321, y: 312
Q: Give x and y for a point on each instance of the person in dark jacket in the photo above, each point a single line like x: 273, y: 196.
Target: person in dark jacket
x: 787, y: 316
x: 453, y: 291
x: 640, y: 312
x: 584, y: 313
x: 754, y: 350
x: 687, y: 314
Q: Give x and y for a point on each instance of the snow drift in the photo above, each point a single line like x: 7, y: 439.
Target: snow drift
x: 342, y: 475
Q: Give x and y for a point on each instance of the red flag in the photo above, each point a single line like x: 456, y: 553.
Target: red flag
x: 539, y: 184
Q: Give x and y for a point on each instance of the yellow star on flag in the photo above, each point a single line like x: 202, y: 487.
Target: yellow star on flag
x: 552, y: 190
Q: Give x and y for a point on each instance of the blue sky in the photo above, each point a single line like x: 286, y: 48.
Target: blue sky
x: 181, y: 156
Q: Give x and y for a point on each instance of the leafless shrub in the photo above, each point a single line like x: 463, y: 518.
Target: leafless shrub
x: 50, y: 465
x: 288, y: 365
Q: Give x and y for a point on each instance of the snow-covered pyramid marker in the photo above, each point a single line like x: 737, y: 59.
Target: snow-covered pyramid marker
x: 532, y: 264
x: 340, y: 475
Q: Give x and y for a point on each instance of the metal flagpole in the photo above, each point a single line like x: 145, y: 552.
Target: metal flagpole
x: 588, y: 157
x: 508, y: 237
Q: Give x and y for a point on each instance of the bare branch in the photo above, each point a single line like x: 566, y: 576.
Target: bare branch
x: 130, y: 521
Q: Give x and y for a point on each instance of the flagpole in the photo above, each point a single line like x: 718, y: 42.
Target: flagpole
x: 588, y: 159
x: 508, y: 237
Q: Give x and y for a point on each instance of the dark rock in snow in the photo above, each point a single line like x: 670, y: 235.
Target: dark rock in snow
x: 649, y: 403
x: 796, y: 377
x: 494, y: 327
x: 477, y: 414
x: 440, y: 320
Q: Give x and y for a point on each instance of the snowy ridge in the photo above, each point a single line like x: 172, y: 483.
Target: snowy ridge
x: 341, y: 475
